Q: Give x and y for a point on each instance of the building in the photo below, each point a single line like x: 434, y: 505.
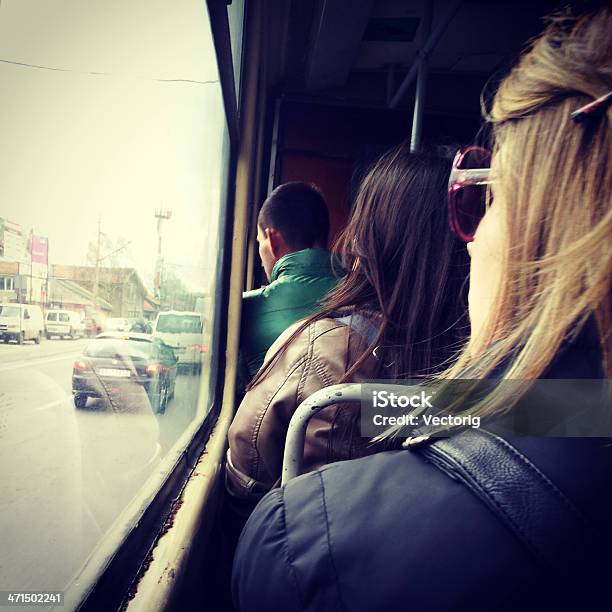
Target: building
x: 69, y: 295
x: 13, y: 242
x: 24, y: 264
x: 9, y: 281
x: 121, y: 288
x: 150, y: 307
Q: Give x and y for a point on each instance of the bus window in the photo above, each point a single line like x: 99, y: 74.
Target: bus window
x: 115, y: 159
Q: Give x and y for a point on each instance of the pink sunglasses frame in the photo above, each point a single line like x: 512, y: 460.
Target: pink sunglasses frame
x: 460, y: 178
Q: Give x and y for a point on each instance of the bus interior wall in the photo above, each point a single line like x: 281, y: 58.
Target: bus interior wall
x: 332, y: 145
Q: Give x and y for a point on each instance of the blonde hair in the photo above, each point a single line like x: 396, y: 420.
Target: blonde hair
x: 554, y: 177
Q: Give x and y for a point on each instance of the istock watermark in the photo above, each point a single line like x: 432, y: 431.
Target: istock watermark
x: 410, y: 406
x: 547, y: 407
x: 385, y: 399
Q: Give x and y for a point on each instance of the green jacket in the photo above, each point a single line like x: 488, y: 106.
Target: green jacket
x: 299, y: 280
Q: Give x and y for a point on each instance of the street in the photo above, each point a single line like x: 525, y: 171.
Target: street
x: 66, y: 474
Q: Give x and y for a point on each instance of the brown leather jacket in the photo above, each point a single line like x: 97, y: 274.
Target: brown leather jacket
x: 318, y: 357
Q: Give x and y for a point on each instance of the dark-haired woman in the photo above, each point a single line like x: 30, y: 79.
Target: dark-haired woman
x: 398, y: 313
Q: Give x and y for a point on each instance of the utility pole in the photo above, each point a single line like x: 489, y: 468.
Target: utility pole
x: 160, y: 215
x: 97, y: 272
x: 31, y: 246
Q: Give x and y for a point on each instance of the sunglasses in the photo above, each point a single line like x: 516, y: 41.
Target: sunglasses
x: 467, y: 190
x: 471, y: 173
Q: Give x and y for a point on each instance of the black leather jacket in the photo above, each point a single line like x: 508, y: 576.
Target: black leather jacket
x: 393, y: 532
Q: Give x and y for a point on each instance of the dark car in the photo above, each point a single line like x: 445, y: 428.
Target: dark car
x: 119, y: 366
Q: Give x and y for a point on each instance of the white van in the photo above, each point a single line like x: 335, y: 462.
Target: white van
x: 182, y: 330
x: 21, y: 322
x: 63, y: 323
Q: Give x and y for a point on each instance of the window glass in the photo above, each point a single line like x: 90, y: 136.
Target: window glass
x: 118, y: 348
x: 63, y: 317
x: 113, y: 168
x: 6, y: 283
x: 9, y: 311
x: 167, y: 353
x: 179, y: 324
x: 52, y: 316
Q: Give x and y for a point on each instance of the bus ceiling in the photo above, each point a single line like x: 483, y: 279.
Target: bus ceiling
x: 387, y: 53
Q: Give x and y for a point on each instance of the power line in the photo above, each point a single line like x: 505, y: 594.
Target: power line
x: 93, y: 73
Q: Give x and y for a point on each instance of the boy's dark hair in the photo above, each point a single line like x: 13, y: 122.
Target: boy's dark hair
x: 298, y: 211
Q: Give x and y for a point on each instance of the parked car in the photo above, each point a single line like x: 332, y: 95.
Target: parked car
x: 117, y: 324
x: 64, y: 324
x: 117, y: 366
x: 182, y: 331
x: 21, y: 322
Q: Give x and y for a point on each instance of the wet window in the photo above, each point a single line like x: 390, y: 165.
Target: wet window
x: 114, y: 160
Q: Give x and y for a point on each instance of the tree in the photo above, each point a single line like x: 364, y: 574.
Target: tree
x: 112, y: 251
x: 173, y: 293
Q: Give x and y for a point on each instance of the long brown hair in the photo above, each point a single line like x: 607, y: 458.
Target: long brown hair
x: 406, y: 272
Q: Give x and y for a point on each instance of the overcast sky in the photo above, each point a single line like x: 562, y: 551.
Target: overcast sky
x: 75, y: 145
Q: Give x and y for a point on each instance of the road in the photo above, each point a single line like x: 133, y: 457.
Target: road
x: 66, y: 474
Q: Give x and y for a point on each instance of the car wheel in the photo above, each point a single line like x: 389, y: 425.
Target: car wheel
x: 38, y: 338
x: 80, y: 401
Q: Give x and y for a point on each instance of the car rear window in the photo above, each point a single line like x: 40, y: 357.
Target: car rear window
x: 63, y: 317
x: 110, y: 347
x: 179, y: 324
x: 52, y: 316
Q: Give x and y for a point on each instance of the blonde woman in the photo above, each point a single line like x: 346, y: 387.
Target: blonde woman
x: 473, y: 521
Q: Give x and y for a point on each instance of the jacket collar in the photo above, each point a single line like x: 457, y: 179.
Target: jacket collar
x: 309, y: 262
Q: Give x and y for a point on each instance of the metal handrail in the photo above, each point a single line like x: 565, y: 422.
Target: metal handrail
x: 336, y: 394
x: 296, y: 433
